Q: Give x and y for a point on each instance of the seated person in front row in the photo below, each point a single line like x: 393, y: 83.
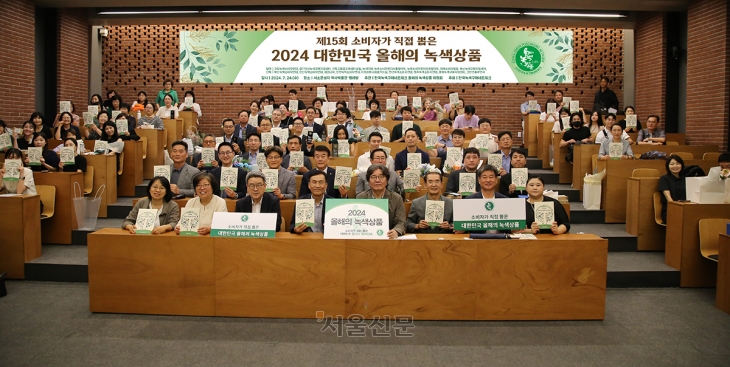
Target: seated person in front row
x: 487, y: 179
x: 471, y: 162
x: 25, y: 185
x: 652, y: 135
x: 321, y: 161
x: 375, y: 139
x: 181, y: 173
x: 158, y: 197
x: 205, y: 200
x: 79, y: 160
x: 208, y: 142
x: 417, y: 215
x: 318, y: 192
x: 378, y: 176
x: 605, y: 133
x: 398, y: 135
x: 294, y: 144
x: 395, y: 183
x: 671, y: 185
x: 401, y: 159
x: 626, y: 153
x: 258, y: 200
x: 226, y: 154
x: 506, y: 187
x: 287, y: 186
x: 535, y: 188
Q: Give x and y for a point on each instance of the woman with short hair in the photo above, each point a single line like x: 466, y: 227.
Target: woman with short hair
x: 208, y: 203
x: 159, y: 197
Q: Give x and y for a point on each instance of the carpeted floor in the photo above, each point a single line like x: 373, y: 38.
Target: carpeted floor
x: 48, y: 324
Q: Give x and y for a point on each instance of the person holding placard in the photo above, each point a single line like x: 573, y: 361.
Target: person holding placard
x: 159, y: 197
x: 487, y: 178
x: 339, y: 136
x: 8, y: 141
x: 506, y: 186
x: 455, y: 152
x: 26, y: 139
x: 652, y: 135
x: 562, y: 124
x: 21, y: 181
x: 378, y: 156
x: 226, y: 154
x: 265, y: 125
x: 370, y: 95
x: 318, y: 130
x: 343, y: 116
x: 229, y: 136
x: 444, y: 140
x: 197, y: 162
x: 258, y: 200
x: 605, y: 98
x: 398, y: 135
x: 286, y: 187
x: 166, y: 90
x: 293, y: 97
x: 244, y: 128
x: 578, y: 133
x: 628, y: 121
x: 131, y: 123
x: 79, y: 161
x: 378, y: 176
x: 181, y: 173
x: 48, y: 159
x: 167, y: 110
x: 605, y: 133
x: 149, y: 119
x: 65, y: 125
x: 528, y: 107
x: 40, y: 125
x: 321, y: 161
x: 206, y: 201
x: 558, y: 97
x: 672, y: 185
x: 193, y: 106
x: 376, y: 127
x: 551, y: 111
x: 471, y: 164
x: 432, y: 213
x: 401, y: 159
x: 624, y: 147
x: 318, y: 194
x: 428, y: 112
x: 375, y: 139
x: 543, y: 214
x: 115, y: 105
x: 75, y: 119
x: 110, y: 135
x: 453, y: 109
x: 303, y: 163
x: 485, y: 141
x: 93, y: 128
x: 469, y: 120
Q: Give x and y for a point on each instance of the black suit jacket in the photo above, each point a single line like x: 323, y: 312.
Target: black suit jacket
x: 269, y: 204
x: 241, y: 184
x: 294, y: 214
x: 331, y: 191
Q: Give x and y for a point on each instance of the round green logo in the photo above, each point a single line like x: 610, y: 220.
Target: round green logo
x: 380, y: 232
x: 528, y: 57
x: 244, y: 218
x: 489, y: 206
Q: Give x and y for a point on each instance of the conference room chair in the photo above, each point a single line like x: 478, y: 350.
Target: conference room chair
x: 684, y: 155
x: 89, y: 180
x: 48, y: 198
x: 711, y: 156
x: 710, y: 229
x: 658, y: 209
x: 645, y: 172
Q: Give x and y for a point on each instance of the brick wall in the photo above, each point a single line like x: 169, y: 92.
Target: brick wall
x: 17, y: 61
x: 73, y: 57
x: 140, y: 57
x: 708, y: 70
x: 651, y: 64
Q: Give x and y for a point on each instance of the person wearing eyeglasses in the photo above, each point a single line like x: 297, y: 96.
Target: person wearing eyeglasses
x: 317, y: 191
x: 206, y: 201
x: 226, y: 154
x: 258, y: 200
x: 287, y: 186
x: 378, y: 176
x: 208, y: 142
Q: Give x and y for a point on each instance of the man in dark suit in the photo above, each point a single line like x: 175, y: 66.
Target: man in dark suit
x: 208, y: 142
x: 321, y: 160
x: 318, y: 192
x: 506, y: 187
x: 258, y: 200
x: 471, y: 162
x: 181, y: 173
x: 225, y: 151
x: 243, y: 128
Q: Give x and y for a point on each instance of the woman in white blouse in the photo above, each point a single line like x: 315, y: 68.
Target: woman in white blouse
x: 164, y: 111
x: 25, y: 185
x: 204, y: 199
x: 193, y: 107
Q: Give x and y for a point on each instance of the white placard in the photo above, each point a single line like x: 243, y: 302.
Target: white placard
x: 411, y: 179
x: 566, y: 102
x: 405, y: 126
x: 12, y: 169
x: 343, y: 176
x: 481, y: 142
x: 189, y: 221
x: 431, y: 139
x: 261, y: 161
x: 304, y: 212
x: 293, y: 105
x: 467, y: 183
x: 229, y: 178
x: 544, y: 214
x: 495, y: 160
x: 532, y: 105
x: 551, y: 108
x: 122, y: 126
x: 219, y: 140
x: 268, y: 110
x: 386, y: 136
x: 272, y: 178
x: 101, y: 147
x: 253, y: 120
x: 519, y: 177
x: 88, y: 118
x: 64, y: 106
x: 6, y: 141
x: 417, y: 104
x: 343, y: 148
x: 631, y: 121
x: 207, y: 156
x: 322, y: 92
x: 615, y: 150
x: 283, y: 135
x: 574, y: 106
x: 413, y: 160
x: 434, y: 212
x: 565, y: 122
x: 357, y: 219
x: 162, y: 171
x: 115, y: 114
x: 454, y: 100
x: 362, y: 105
x: 145, y: 221
x: 67, y: 155
x: 189, y: 102
x: 34, y: 156
x: 489, y: 214
x: 255, y: 225
x: 94, y: 109
x: 455, y: 154
x: 331, y: 130
x: 296, y: 159
x: 390, y: 104
x: 267, y: 140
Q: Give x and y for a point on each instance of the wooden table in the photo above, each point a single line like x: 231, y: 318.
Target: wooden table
x: 613, y: 186
x: 682, y: 249
x: 531, y: 134
x: 640, y: 214
x: 544, y: 140
x: 57, y: 229
x: 155, y: 154
x: 132, y: 175
x: 294, y: 276
x: 722, y: 297
x: 189, y: 118
x: 21, y: 231
x: 173, y: 132
x: 560, y: 165
x: 582, y: 157
x: 105, y: 173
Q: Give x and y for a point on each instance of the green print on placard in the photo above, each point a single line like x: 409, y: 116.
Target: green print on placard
x: 217, y: 56
x: 536, y: 56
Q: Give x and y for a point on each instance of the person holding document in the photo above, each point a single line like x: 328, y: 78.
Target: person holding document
x: 204, y: 200
x: 258, y: 200
x: 317, y: 191
x: 378, y: 177
x: 417, y: 222
x: 487, y: 178
x: 560, y: 223
x: 159, y: 197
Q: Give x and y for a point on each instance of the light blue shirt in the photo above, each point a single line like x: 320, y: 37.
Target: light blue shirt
x: 506, y: 160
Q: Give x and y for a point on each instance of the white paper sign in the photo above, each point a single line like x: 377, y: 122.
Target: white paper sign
x: 255, y: 225
x: 566, y: 102
x: 293, y: 105
x: 544, y: 214
x: 405, y: 126
x: 304, y: 212
x: 551, y: 108
x: 122, y: 126
x: 88, y: 118
x: 565, y: 122
x: 414, y: 160
x: 390, y: 104
x: 362, y: 105
x: 615, y: 150
x: 331, y: 130
x: 115, y: 114
x: 454, y: 100
x: 495, y: 160
x: 283, y: 135
x: 574, y: 106
x: 357, y: 219
x: 467, y: 183
x: 411, y: 179
x: 296, y: 159
x: 434, y: 212
x: 189, y: 221
x: 322, y: 92
x: 162, y: 171
x: 189, y: 102
x: 272, y: 178
x: 65, y: 106
x: 402, y: 101
x: 268, y: 110
x: 455, y: 154
x: 94, y: 109
x: 417, y: 104
x: 386, y: 137
x: 489, y: 214
x: 229, y: 178
x: 207, y: 156
x: 254, y: 120
x: 481, y: 142
x: 6, y: 141
x: 34, y: 156
x: 67, y: 155
x: 267, y: 140
x: 101, y: 147
x: 532, y: 104
x: 12, y: 169
x: 431, y: 139
x: 261, y: 161
x: 519, y: 177
x: 631, y: 121
x: 343, y: 148
x: 343, y: 176
x: 145, y: 221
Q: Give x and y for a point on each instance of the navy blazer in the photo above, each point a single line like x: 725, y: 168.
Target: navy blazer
x: 331, y: 191
x: 294, y: 214
x: 241, y: 184
x: 269, y: 204
x: 250, y: 129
